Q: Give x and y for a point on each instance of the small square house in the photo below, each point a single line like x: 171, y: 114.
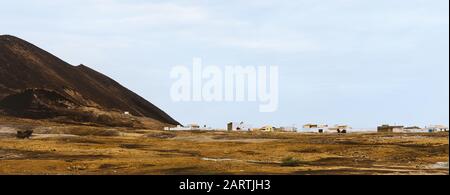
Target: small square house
x: 390, y: 129
x: 268, y: 128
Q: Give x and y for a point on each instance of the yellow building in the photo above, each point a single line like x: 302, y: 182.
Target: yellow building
x: 268, y: 128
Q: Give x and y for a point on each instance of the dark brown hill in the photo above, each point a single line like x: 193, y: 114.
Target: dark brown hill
x: 26, y: 70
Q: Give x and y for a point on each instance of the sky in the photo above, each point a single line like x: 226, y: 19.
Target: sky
x: 357, y: 62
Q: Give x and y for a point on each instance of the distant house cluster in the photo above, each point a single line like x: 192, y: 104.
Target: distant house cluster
x: 437, y: 128
x: 411, y: 129
x: 309, y: 128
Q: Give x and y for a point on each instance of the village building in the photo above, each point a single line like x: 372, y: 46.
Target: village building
x: 414, y: 129
x: 178, y: 128
x: 194, y: 126
x: 235, y: 126
x: 338, y: 129
x: 314, y: 126
x: 390, y: 129
x: 288, y: 129
x: 268, y: 128
x: 437, y: 128
x: 311, y: 127
x: 190, y: 127
x: 342, y: 127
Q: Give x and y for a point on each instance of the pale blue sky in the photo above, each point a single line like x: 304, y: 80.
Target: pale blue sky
x: 359, y: 62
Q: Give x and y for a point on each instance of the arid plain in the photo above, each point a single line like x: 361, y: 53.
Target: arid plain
x: 82, y: 149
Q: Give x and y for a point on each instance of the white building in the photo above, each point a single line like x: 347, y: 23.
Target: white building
x: 437, y: 128
x: 414, y: 129
x: 311, y: 127
x: 178, y: 128
x: 339, y: 128
x: 289, y: 129
x: 190, y: 127
x: 314, y: 126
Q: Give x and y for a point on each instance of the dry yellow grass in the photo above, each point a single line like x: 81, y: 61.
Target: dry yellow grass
x: 158, y: 152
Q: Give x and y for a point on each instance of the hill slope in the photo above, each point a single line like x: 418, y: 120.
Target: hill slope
x: 24, y: 66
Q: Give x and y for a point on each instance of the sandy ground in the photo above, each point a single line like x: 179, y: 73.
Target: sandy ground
x: 63, y: 149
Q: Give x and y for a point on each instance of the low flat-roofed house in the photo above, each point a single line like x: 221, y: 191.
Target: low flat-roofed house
x: 338, y: 129
x: 194, y: 126
x: 342, y: 127
x: 190, y: 127
x: 235, y: 126
x: 414, y: 129
x: 437, y: 128
x: 310, y: 126
x: 390, y: 129
x: 314, y: 126
x: 268, y: 128
x: 288, y: 129
x: 178, y: 128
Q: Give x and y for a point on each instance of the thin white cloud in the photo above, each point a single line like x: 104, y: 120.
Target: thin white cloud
x: 270, y: 45
x: 145, y: 13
